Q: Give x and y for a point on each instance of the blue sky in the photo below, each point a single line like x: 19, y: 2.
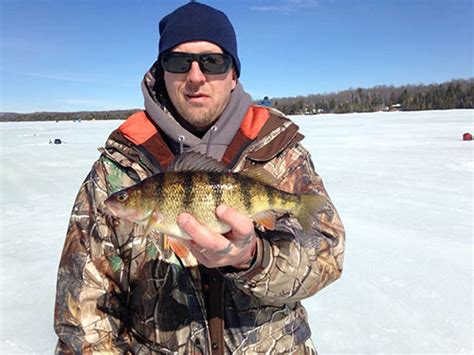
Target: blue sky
x: 73, y: 55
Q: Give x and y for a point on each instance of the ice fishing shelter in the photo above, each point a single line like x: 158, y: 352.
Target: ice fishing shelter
x: 467, y: 137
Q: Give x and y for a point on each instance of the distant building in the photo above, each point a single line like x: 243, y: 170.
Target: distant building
x: 313, y: 111
x: 396, y: 107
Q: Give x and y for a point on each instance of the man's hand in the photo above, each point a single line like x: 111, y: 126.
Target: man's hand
x: 235, y: 248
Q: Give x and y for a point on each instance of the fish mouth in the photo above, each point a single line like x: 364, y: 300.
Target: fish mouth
x: 114, y: 210
x: 110, y: 208
x: 132, y: 216
x: 105, y: 207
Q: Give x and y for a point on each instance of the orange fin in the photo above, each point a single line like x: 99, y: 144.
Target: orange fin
x: 266, y: 219
x: 165, y: 245
x: 165, y: 242
x: 178, y: 247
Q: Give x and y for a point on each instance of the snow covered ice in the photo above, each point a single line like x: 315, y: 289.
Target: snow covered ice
x: 402, y: 182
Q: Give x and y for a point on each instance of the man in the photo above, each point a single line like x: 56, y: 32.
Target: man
x: 121, y: 291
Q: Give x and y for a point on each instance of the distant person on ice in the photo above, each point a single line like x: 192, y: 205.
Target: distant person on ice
x: 265, y: 102
x: 121, y: 290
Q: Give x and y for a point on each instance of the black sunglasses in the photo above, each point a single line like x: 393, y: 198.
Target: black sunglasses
x: 209, y: 63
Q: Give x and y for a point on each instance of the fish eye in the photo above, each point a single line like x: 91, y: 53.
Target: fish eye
x: 122, y: 196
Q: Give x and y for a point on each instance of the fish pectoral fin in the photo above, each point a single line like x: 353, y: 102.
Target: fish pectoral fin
x: 178, y: 247
x: 155, y: 218
x: 266, y: 219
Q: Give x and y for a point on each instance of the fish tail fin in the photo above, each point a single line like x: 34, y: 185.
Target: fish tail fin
x: 309, y: 208
x: 178, y: 247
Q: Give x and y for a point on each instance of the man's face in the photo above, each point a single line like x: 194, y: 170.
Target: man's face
x: 200, y: 98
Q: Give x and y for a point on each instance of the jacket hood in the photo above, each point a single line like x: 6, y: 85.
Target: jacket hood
x: 215, y: 141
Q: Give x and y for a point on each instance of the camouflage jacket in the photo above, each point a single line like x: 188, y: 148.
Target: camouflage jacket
x: 120, y: 292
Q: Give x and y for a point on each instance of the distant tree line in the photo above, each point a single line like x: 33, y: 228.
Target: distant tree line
x: 449, y: 95
x: 67, y: 116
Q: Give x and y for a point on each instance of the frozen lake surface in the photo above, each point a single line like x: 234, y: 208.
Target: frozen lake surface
x: 402, y: 182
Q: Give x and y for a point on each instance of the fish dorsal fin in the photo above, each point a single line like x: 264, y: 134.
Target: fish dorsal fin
x: 192, y: 161
x: 261, y: 175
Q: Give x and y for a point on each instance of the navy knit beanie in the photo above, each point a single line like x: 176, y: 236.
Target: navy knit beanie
x: 198, y: 22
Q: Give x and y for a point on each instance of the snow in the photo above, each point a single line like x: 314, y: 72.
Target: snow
x: 402, y: 182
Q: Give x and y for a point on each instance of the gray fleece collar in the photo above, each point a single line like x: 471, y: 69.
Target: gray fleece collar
x: 216, y: 140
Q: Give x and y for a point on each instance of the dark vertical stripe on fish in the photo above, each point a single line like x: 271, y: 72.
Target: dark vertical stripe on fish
x: 245, y: 187
x: 271, y: 195
x: 188, y: 189
x: 216, y: 183
x: 159, y: 188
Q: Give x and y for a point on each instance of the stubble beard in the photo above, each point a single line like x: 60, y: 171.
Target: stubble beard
x: 201, y: 118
